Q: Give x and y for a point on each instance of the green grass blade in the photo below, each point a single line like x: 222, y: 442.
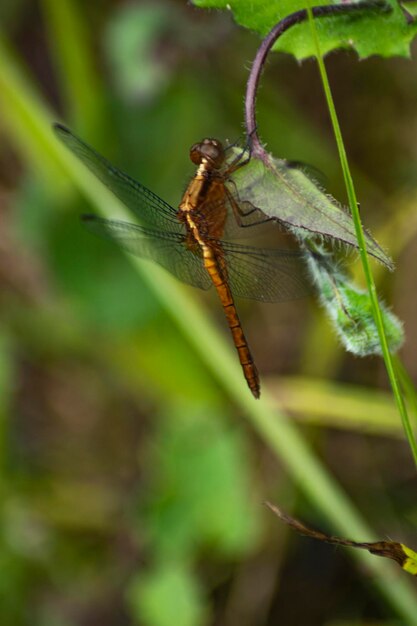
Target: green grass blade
x: 353, y: 204
x: 32, y: 128
x: 325, y: 403
x: 407, y: 385
x: 71, y: 51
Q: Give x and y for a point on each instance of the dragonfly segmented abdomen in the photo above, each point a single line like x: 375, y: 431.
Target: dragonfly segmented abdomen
x: 255, y: 273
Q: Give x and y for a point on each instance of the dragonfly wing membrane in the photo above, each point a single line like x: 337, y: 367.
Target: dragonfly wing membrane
x: 147, y: 206
x: 266, y: 275
x: 167, y: 249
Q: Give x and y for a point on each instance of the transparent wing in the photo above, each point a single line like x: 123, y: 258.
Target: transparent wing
x: 255, y: 273
x: 265, y: 275
x: 165, y: 248
x: 148, y: 207
x: 243, y: 218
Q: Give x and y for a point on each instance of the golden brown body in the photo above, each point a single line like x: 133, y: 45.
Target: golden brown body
x: 203, y: 209
x: 192, y: 242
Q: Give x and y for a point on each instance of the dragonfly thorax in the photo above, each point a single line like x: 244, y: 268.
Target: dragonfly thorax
x: 210, y: 151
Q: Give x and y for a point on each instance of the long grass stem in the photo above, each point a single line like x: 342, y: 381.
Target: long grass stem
x: 353, y: 204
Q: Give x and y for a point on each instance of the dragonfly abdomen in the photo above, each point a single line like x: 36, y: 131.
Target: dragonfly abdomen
x: 213, y: 263
x: 245, y: 357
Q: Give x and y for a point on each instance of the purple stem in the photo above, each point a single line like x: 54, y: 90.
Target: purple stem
x: 268, y: 42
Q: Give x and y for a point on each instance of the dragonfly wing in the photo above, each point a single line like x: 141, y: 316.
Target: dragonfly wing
x: 147, y: 206
x: 165, y: 248
x: 243, y: 218
x: 266, y: 275
x: 289, y: 196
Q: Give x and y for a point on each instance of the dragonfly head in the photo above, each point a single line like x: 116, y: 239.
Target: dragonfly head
x: 209, y: 149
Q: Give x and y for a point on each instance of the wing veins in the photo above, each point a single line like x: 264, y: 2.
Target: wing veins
x: 146, y: 205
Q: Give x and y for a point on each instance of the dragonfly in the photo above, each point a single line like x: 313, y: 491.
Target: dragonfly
x: 197, y: 241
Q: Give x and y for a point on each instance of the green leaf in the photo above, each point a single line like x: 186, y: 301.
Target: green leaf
x: 166, y: 595
x: 199, y: 488
x: 290, y: 196
x: 387, y: 33
x: 409, y: 564
x: 350, y: 309
x: 132, y: 39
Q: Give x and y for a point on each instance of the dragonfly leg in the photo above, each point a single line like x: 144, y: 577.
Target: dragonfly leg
x: 239, y: 213
x: 239, y: 161
x: 258, y: 223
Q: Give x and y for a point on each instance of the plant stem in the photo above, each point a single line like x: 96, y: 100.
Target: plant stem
x: 353, y: 204
x: 279, y: 29
x: 407, y: 385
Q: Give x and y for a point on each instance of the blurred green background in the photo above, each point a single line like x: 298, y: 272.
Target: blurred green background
x: 131, y: 485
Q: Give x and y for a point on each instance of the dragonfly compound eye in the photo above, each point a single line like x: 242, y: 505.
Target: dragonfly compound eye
x: 209, y: 149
